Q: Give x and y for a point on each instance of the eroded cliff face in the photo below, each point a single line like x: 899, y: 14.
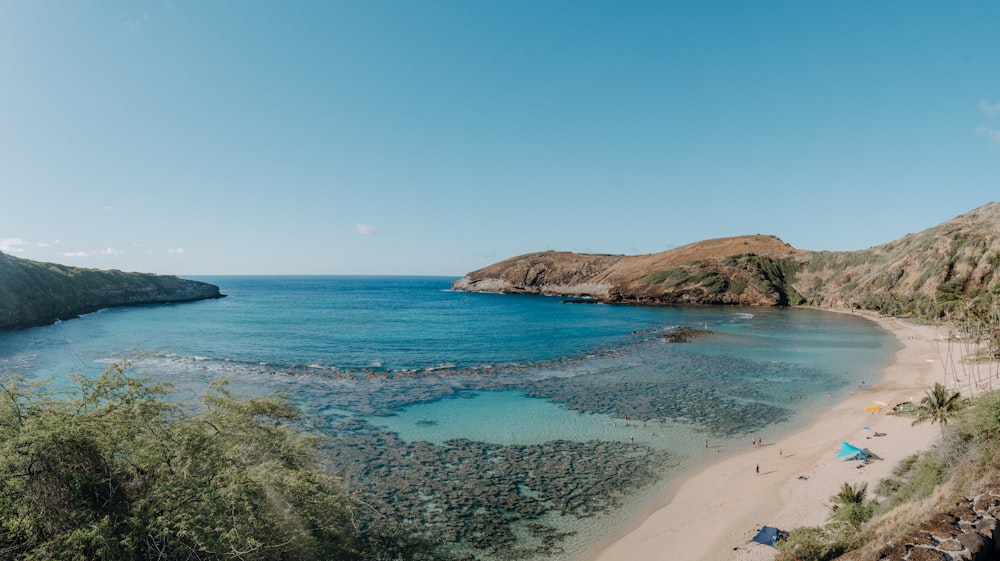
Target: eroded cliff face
x: 925, y: 274
x: 719, y: 271
x: 34, y: 293
x: 549, y: 272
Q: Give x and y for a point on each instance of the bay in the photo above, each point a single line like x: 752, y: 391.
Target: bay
x: 589, y: 408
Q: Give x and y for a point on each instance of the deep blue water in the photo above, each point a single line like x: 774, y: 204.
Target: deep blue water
x: 343, y: 322
x: 409, y: 356
x: 396, y: 323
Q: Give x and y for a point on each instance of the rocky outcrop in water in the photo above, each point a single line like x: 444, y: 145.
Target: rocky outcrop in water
x: 34, y: 293
x: 684, y: 334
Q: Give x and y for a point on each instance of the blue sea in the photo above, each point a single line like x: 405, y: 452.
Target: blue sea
x: 515, y: 426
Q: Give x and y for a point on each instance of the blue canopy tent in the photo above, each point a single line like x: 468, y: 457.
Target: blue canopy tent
x: 767, y: 536
x: 852, y: 452
x: 848, y: 450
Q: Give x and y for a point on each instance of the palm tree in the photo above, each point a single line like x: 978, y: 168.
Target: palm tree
x: 850, y: 495
x: 849, y: 505
x: 938, y: 405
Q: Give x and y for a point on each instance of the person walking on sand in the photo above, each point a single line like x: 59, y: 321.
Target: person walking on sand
x: 757, y: 469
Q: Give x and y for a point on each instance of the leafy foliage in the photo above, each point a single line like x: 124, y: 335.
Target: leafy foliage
x: 35, y: 293
x: 738, y: 285
x: 777, y: 275
x: 850, y: 506
x: 914, y: 478
x: 850, y: 495
x: 733, y: 275
x: 114, y: 471
x: 966, y: 458
x: 981, y: 421
x: 669, y: 277
x: 938, y: 406
x: 818, y: 543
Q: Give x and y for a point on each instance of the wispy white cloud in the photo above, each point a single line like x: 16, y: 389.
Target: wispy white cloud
x: 106, y: 251
x: 989, y: 108
x: 175, y: 250
x: 48, y: 244
x: 11, y: 245
x: 990, y: 133
x: 365, y: 229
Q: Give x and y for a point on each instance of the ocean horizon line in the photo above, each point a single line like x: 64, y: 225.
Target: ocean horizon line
x: 317, y: 275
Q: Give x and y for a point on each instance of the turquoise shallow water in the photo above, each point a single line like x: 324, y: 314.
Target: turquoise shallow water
x: 535, y: 385
x: 500, y: 417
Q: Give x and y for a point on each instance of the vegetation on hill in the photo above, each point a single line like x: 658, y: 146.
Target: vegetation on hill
x: 961, y: 465
x: 948, y: 274
x: 113, y: 470
x: 943, y: 272
x: 729, y: 280
x: 35, y: 293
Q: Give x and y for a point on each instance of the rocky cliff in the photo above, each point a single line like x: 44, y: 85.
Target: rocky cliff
x: 969, y: 531
x: 924, y: 274
x: 34, y: 293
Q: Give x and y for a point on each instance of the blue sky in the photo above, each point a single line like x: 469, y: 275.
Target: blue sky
x: 437, y: 137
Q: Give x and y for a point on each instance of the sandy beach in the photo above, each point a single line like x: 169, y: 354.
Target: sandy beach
x: 713, y: 513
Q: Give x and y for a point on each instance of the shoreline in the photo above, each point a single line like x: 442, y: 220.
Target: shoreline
x: 714, y: 512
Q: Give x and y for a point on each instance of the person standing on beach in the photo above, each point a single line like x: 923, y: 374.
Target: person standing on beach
x: 757, y: 469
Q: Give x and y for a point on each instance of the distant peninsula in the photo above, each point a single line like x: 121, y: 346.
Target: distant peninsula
x: 33, y: 293
x: 926, y: 274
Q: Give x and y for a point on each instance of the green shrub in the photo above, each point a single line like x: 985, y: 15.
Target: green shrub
x: 949, y: 293
x: 891, y: 485
x: 854, y: 514
x: 982, y: 419
x: 850, y: 506
x: 712, y: 282
x: 738, y: 285
x: 669, y: 277
x: 113, y: 470
x: 813, y: 543
x: 914, y: 478
x: 919, y: 283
